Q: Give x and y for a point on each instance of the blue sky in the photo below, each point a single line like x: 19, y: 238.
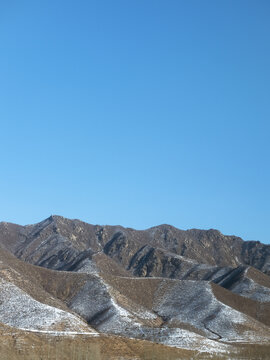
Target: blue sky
x: 136, y: 113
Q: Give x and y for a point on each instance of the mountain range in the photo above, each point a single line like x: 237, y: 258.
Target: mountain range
x: 133, y: 294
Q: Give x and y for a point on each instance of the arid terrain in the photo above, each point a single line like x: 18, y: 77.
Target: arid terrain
x: 71, y: 290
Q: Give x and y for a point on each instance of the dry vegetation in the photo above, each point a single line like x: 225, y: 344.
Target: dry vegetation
x: 258, y: 310
x: 18, y: 345
x: 35, y: 346
x: 258, y: 277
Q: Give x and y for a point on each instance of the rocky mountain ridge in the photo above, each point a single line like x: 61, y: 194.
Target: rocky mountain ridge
x: 130, y: 247
x: 196, y: 289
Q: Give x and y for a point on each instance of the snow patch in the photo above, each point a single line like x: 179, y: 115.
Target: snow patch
x: 20, y: 310
x: 252, y: 290
x: 194, y: 303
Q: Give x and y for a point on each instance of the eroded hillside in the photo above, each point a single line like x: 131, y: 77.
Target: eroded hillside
x: 194, y: 290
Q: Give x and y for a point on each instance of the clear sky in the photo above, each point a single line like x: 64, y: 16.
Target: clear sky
x: 136, y: 112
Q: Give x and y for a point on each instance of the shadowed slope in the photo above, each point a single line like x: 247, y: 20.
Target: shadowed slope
x: 74, y: 239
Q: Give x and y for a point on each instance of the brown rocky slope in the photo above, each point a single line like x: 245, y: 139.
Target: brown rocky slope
x: 190, y: 289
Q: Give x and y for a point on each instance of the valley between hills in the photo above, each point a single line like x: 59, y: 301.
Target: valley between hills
x: 72, y: 290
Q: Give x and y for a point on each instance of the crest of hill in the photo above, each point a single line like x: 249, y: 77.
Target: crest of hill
x: 74, y: 237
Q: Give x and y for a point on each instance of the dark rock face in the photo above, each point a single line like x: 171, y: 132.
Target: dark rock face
x: 162, y: 251
x: 257, y: 255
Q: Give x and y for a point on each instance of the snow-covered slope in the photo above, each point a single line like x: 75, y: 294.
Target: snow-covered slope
x: 194, y: 303
x: 20, y: 310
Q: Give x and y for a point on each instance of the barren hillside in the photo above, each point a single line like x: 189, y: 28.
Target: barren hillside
x: 194, y: 290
